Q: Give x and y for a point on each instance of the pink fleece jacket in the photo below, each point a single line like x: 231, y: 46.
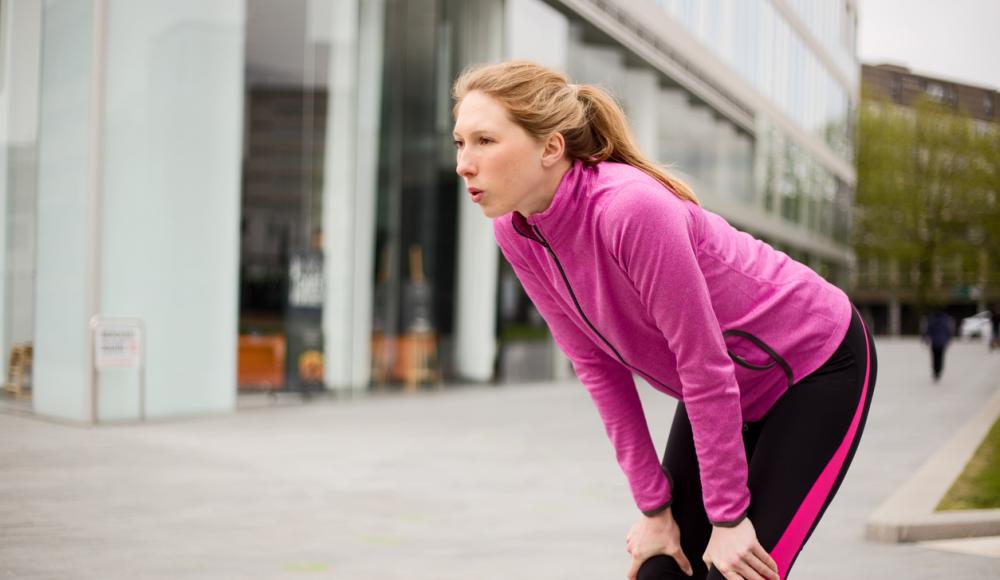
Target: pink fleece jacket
x: 632, y: 279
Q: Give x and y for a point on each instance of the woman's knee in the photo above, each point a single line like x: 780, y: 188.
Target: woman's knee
x: 666, y: 568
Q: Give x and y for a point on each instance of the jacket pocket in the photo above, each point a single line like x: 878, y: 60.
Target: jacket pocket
x: 753, y: 353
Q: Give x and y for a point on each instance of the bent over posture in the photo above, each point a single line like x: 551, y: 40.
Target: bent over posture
x: 773, y: 367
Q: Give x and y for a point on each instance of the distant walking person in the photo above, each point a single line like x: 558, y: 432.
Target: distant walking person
x: 938, y: 334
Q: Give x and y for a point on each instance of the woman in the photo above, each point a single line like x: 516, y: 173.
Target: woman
x: 772, y: 366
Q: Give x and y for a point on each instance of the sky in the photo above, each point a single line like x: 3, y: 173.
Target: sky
x: 957, y: 40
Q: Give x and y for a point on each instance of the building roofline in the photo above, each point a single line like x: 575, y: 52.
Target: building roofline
x: 906, y: 70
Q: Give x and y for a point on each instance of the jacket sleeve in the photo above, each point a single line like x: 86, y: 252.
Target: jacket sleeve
x: 653, y: 235
x: 612, y: 389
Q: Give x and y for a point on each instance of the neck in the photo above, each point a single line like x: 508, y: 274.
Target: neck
x: 550, y: 183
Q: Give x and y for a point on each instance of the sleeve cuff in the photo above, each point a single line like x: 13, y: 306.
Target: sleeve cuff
x: 658, y: 510
x: 662, y: 508
x: 733, y: 523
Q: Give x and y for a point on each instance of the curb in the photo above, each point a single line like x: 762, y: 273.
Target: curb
x: 908, y: 514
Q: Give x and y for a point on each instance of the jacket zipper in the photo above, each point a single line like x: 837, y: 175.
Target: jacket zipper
x: 579, y: 309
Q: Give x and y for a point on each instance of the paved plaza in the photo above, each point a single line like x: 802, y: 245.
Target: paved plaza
x: 472, y: 482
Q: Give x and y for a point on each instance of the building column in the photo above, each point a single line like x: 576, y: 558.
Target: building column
x: 479, y: 26
x: 724, y: 178
x: 349, y: 190
x: 22, y: 26
x: 140, y: 139
x: 703, y: 151
x: 895, y: 317
x: 538, y: 32
x: 641, y: 93
x: 599, y: 65
x: 61, y: 363
x: 674, y: 137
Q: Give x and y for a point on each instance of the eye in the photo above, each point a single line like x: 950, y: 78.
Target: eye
x: 485, y: 140
x: 458, y: 144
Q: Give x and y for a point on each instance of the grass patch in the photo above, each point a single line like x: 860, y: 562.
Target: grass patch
x: 979, y: 485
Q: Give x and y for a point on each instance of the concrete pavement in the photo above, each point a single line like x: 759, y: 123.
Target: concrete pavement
x: 472, y: 482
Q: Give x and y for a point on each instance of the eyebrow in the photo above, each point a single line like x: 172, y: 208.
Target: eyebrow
x: 474, y: 133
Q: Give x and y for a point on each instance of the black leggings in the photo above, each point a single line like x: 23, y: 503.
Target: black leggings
x: 797, y: 457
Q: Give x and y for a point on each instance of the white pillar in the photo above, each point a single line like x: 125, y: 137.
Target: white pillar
x: 895, y: 317
x: 171, y: 199
x: 480, y: 36
x: 538, y: 32
x: 151, y: 158
x: 600, y: 65
x: 673, y: 120
x: 640, y: 95
x: 535, y: 31
x: 21, y: 68
x: 725, y: 154
x: 349, y: 191
x: 702, y: 153
x: 745, y: 162
x: 61, y: 376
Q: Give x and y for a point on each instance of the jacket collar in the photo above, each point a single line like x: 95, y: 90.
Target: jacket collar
x: 559, y: 215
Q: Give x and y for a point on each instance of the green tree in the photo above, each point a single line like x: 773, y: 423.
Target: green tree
x: 926, y: 197
x: 988, y: 175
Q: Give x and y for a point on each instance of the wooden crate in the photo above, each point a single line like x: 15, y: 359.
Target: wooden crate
x: 18, y: 367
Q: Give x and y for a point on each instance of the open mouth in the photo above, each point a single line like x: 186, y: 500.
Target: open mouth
x: 477, y: 194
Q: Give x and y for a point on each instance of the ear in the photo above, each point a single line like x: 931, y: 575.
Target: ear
x: 553, y: 150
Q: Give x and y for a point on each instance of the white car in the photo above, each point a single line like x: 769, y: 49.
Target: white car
x: 975, y: 326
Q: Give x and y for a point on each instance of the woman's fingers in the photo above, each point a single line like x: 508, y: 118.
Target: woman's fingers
x: 746, y: 569
x: 751, y: 567
x: 634, y: 570
x: 682, y: 561
x: 768, y: 561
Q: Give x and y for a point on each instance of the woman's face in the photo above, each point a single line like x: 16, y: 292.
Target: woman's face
x: 504, y: 167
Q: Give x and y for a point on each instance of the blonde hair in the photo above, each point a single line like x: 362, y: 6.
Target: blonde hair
x: 542, y: 101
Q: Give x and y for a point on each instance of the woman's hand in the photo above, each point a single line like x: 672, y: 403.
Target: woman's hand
x: 652, y: 536
x: 737, y: 555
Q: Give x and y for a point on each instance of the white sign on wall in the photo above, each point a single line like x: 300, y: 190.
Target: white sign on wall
x: 117, y: 345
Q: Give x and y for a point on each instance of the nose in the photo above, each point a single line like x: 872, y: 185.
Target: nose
x: 464, y: 165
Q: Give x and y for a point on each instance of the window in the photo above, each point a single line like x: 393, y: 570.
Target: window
x: 935, y: 91
x: 950, y: 96
x: 989, y: 104
x: 896, y: 89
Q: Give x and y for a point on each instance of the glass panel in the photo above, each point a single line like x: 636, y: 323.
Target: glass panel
x: 417, y: 200
x: 61, y: 236
x: 285, y: 123
x: 20, y: 60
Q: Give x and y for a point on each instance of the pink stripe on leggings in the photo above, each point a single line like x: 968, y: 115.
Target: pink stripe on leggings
x: 791, y: 541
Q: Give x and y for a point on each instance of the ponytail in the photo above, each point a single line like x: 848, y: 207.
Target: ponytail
x: 608, y: 131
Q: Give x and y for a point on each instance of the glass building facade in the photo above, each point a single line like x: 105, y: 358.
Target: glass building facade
x: 269, y: 186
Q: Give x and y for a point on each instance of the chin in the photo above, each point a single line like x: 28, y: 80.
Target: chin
x: 492, y: 213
